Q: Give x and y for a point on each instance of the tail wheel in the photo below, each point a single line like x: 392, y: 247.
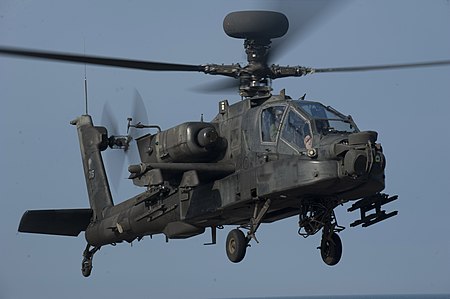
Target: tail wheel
x: 236, y: 245
x: 86, y: 267
x: 331, y: 249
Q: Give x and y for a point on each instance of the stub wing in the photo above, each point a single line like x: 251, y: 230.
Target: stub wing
x: 65, y: 222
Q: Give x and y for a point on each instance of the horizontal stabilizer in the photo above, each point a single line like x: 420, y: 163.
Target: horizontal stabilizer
x: 67, y: 222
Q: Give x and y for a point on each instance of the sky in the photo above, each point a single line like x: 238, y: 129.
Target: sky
x: 41, y: 165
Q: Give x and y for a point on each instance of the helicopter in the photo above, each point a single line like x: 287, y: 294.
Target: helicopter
x: 262, y: 159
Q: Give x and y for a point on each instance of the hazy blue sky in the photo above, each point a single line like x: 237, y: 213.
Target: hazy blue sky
x: 41, y: 165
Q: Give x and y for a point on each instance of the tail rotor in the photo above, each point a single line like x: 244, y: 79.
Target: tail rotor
x: 123, y: 145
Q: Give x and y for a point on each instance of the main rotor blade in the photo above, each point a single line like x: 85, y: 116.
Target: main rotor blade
x: 381, y: 67
x: 218, y: 86
x: 98, y: 60
x: 304, y: 16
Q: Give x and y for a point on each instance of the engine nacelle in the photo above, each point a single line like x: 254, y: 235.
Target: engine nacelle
x: 188, y: 142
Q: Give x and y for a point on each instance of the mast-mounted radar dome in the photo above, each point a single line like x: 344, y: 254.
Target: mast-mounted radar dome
x: 255, y: 24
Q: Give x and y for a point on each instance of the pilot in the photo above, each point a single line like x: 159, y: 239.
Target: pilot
x: 308, y: 141
x: 308, y: 137
x: 276, y: 123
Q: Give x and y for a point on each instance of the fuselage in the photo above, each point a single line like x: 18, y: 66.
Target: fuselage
x: 209, y: 174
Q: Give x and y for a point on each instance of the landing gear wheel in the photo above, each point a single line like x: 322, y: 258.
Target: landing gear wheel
x: 86, y: 267
x: 236, y: 245
x: 331, y: 249
x: 86, y: 264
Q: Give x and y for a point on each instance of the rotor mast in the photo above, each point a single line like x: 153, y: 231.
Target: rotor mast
x: 253, y: 81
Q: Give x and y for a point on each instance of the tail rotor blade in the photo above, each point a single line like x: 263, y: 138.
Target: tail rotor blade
x: 139, y: 112
x: 109, y: 121
x: 114, y: 159
x: 139, y: 116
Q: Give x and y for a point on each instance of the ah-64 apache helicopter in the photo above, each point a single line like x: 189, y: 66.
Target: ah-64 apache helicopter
x: 261, y: 159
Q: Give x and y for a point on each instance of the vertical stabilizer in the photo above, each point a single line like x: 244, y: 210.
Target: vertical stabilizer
x: 93, y: 140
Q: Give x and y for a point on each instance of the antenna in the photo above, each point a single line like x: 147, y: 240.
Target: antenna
x: 85, y: 91
x: 85, y: 83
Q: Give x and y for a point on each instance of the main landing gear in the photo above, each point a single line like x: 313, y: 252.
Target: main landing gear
x: 313, y: 217
x: 237, y: 243
x: 331, y: 248
x: 317, y: 216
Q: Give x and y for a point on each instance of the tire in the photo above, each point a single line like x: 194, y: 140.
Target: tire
x: 331, y: 250
x: 86, y: 268
x: 236, y: 245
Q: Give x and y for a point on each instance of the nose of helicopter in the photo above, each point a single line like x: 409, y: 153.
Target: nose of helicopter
x: 364, y: 156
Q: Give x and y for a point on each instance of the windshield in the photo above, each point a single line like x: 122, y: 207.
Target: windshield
x: 326, y: 119
x: 296, y: 131
x: 271, y: 122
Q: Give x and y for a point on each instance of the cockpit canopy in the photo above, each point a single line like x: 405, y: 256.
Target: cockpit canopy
x: 297, y: 122
x: 326, y: 119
